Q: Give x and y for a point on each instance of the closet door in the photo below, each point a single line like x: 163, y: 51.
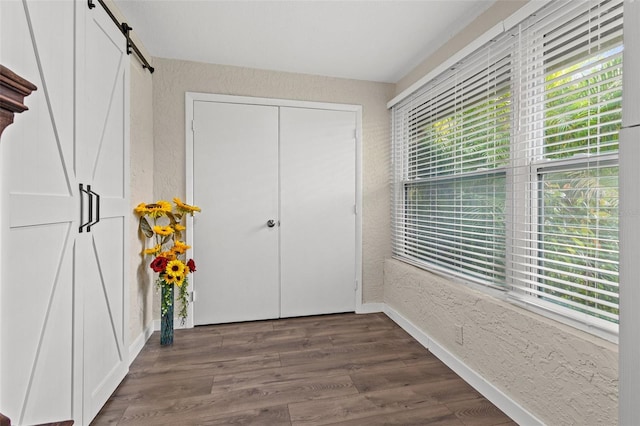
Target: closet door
x: 236, y: 184
x: 39, y: 217
x: 101, y: 254
x: 318, y: 199
x: 295, y: 166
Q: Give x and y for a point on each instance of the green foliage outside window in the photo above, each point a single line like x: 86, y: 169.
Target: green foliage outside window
x: 455, y: 199
x: 455, y: 195
x: 579, y: 206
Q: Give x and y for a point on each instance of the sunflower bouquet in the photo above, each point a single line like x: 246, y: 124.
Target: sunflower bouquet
x: 162, y: 223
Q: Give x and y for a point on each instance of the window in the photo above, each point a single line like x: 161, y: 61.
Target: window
x: 505, y: 166
x: 451, y: 168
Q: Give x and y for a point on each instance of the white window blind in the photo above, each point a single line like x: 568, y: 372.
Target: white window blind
x: 451, y: 150
x: 564, y: 232
x: 505, y: 166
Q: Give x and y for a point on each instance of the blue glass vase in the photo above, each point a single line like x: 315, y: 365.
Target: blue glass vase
x: 166, y: 318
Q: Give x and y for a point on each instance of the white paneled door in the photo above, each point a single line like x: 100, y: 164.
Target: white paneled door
x: 236, y: 170
x: 318, y: 233
x: 63, y: 297
x: 278, y: 185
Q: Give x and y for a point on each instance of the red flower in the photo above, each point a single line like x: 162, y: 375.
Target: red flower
x: 192, y: 265
x: 159, y: 264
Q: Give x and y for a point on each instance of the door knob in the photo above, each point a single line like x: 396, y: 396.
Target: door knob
x: 271, y: 223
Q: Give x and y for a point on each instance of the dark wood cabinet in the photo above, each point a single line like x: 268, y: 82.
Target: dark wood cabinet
x: 13, y: 90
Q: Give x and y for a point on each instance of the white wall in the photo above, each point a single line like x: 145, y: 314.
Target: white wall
x: 141, y: 129
x: 141, y: 288
x: 175, y: 77
x: 629, y: 223
x: 499, y: 11
x: 557, y: 373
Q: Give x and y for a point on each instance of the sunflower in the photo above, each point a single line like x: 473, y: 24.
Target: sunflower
x: 141, y: 209
x: 175, y: 268
x: 168, y: 255
x: 180, y: 280
x: 170, y: 279
x: 185, y: 208
x: 153, y: 250
x: 180, y: 247
x: 163, y: 230
x: 179, y: 227
x: 157, y: 209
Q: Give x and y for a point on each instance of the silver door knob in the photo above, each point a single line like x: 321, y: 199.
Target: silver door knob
x: 271, y: 223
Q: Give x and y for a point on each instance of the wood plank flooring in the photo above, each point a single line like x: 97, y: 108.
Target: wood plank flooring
x: 341, y: 369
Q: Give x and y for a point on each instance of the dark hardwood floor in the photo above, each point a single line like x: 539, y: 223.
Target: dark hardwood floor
x: 342, y: 369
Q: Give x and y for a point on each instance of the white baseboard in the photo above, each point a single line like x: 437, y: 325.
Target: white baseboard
x: 136, y: 346
x: 369, y: 308
x: 501, y: 400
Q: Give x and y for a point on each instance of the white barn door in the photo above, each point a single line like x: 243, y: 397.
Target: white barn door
x: 39, y: 217
x: 101, y: 254
x: 63, y: 294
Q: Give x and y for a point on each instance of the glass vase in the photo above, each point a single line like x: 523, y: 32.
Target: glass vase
x: 166, y: 319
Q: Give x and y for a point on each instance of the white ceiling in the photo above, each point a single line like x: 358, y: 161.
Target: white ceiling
x: 364, y: 40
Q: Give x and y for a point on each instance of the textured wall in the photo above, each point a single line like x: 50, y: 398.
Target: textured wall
x: 174, y: 77
x: 141, y: 130
x: 500, y: 10
x: 561, y: 375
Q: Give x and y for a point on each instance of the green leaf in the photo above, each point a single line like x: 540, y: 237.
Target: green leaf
x: 172, y: 218
x: 145, y: 228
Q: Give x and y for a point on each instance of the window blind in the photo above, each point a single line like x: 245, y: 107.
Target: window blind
x: 564, y: 221
x: 505, y: 166
x: 451, y: 151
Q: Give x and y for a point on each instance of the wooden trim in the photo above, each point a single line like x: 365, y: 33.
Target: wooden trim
x: 13, y: 90
x: 4, y: 421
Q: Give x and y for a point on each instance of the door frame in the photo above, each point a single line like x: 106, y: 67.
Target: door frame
x: 192, y: 97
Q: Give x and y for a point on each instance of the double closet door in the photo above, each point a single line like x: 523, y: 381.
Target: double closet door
x: 63, y: 298
x: 277, y: 187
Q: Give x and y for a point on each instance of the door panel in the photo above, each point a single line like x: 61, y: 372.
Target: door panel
x: 101, y: 267
x: 236, y: 184
x: 317, y: 169
x: 103, y: 253
x: 39, y: 216
x: 37, y: 344
x: 45, y: 147
x: 103, y: 147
